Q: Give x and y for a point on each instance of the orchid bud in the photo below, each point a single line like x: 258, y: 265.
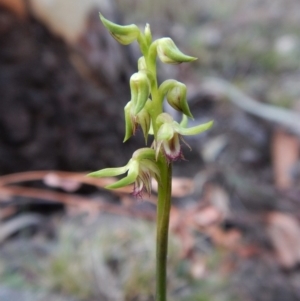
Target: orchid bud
x: 176, y: 98
x: 170, y: 54
x: 140, y: 90
x: 123, y: 34
x: 131, y: 121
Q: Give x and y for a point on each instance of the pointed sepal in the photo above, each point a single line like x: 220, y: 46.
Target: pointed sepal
x: 108, y: 172
x: 195, y: 130
x: 176, y: 97
x: 129, y: 122
x: 169, y: 53
x: 144, y: 119
x: 131, y: 177
x: 123, y: 34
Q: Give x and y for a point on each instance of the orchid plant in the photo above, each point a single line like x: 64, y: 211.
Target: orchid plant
x: 145, y: 109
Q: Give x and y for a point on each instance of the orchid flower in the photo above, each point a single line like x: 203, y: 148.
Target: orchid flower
x: 170, y: 133
x: 141, y: 168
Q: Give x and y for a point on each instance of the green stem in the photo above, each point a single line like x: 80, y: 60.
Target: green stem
x: 163, y: 215
x: 164, y: 189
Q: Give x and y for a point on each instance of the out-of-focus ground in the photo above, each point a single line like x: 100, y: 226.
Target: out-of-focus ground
x: 235, y: 229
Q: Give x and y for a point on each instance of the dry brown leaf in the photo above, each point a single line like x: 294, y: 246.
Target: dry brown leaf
x: 218, y: 197
x: 227, y: 239
x: 198, y: 267
x: 205, y: 217
x: 7, y: 212
x: 180, y: 227
x: 18, y: 7
x: 284, y: 231
x: 285, y: 154
x: 54, y: 181
x: 18, y: 223
x: 175, y: 219
x: 247, y: 251
x: 180, y: 186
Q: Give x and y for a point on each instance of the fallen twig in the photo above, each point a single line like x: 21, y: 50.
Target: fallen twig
x: 18, y: 223
x: 272, y: 113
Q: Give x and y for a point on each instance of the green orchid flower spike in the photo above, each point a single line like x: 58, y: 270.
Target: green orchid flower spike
x: 145, y: 109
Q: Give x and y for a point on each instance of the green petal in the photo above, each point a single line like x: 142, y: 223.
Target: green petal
x: 184, y: 121
x: 144, y: 153
x: 164, y: 118
x: 144, y: 120
x: 108, y: 172
x: 123, y: 34
x: 194, y: 130
x: 129, y: 179
x: 129, y: 126
x: 165, y: 132
x: 152, y: 167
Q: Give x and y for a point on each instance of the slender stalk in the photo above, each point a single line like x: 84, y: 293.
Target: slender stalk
x: 163, y: 215
x: 164, y: 193
x: 144, y: 164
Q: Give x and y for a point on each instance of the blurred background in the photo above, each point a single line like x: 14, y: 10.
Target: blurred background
x: 235, y: 218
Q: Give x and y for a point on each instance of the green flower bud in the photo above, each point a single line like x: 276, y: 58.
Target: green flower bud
x: 123, y: 34
x: 170, y: 54
x: 140, y: 90
x: 176, y: 97
x: 131, y: 121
